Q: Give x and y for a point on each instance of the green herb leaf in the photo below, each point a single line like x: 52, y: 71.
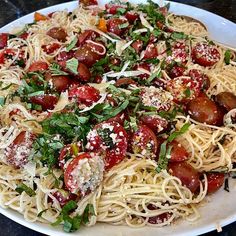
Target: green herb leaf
x: 41, y: 212
x: 56, y: 70
x: 89, y: 210
x: 72, y: 65
x: 24, y: 188
x: 179, y: 35
x: 72, y: 44
x: 2, y: 100
x: 121, y: 10
x: 122, y: 26
x: 187, y: 92
x: 227, y: 57
x: 105, y: 136
x: 175, y: 134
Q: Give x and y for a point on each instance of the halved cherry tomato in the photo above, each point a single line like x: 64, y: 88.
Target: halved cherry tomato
x: 137, y: 45
x: 18, y: 152
x: 111, y: 139
x: 64, y: 197
x: 96, y: 47
x: 51, y: 48
x: 186, y: 173
x: 144, y: 66
x: 38, y: 66
x: 131, y: 16
x: 154, y: 122
x: 150, y: 51
x: 88, y: 2
x: 227, y: 100
x: 57, y: 33
x: 200, y: 77
x: 83, y: 72
x: 84, y: 173
x: 183, y: 89
x: 84, y: 94
x: 203, y: 110
x: 179, y: 52
x: 64, y: 56
x: 215, y: 181
x: 144, y: 141
x: 125, y: 82
x: 47, y: 101
x: 60, y: 82
x: 176, y: 71
x: 86, y: 35
x: 178, y: 152
x: 3, y: 40
x: 114, y: 26
x: 205, y: 55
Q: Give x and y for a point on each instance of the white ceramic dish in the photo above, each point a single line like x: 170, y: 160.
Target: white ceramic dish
x: 218, y: 212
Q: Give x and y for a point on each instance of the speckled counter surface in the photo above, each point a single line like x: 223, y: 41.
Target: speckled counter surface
x: 225, y: 8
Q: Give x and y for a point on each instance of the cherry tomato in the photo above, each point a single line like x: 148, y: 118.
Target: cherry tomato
x: 88, y: 2
x: 137, y: 45
x: 114, y: 26
x: 64, y: 56
x: 200, y: 77
x: 84, y: 173
x: 203, y: 110
x: 178, y: 152
x: 179, y: 52
x: 64, y: 197
x: 111, y: 139
x: 215, y: 181
x: 84, y: 94
x: 154, y: 122
x: 19, y: 150
x: 60, y: 82
x: 205, y: 55
x: 83, y: 72
x: 124, y: 82
x: 57, y: 33
x: 186, y: 173
x: 226, y: 100
x: 112, y: 9
x: 86, y: 35
x: 150, y: 52
x: 3, y: 40
x: 47, y: 101
x: 38, y: 66
x: 183, y: 89
x: 144, y: 141
x: 50, y: 48
x: 120, y: 118
x: 24, y: 35
x: 131, y: 16
x: 176, y: 71
x: 144, y: 66
x: 96, y: 47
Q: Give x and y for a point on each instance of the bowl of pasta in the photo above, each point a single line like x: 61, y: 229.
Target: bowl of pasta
x: 118, y: 117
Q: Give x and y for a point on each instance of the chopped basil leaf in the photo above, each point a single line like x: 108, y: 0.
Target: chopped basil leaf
x: 2, y: 100
x: 175, y: 134
x: 178, y: 35
x: 162, y: 161
x: 56, y: 70
x: 72, y: 44
x: 41, y: 212
x: 20, y: 63
x: 154, y: 61
x: 24, y: 188
x: 187, y: 92
x: 133, y: 123
x: 89, y: 210
x: 105, y: 135
x: 72, y: 65
x: 38, y: 93
x: 125, y: 25
x: 227, y: 57
x: 6, y: 87
x: 121, y: 10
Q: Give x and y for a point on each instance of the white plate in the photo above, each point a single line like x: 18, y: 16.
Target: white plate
x: 219, y: 211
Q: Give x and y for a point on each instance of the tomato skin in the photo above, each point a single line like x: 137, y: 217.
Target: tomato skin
x: 60, y: 82
x: 155, y: 123
x: 186, y: 173
x: 24, y: 35
x: 178, y: 152
x: 57, y: 33
x: 3, y: 40
x: 131, y: 16
x: 150, y: 52
x: 38, y: 66
x: 125, y: 82
x: 203, y: 110
x: 84, y: 94
x: 205, y: 55
x: 215, y: 181
x: 144, y: 66
x: 137, y: 45
x: 203, y: 79
x: 113, y: 26
x: 24, y: 139
x: 64, y: 197
x: 64, y: 56
x: 144, y: 141
x: 176, y: 71
x: 179, y: 52
x: 51, y: 48
x: 227, y: 100
x: 47, y: 101
x: 114, y: 154
x: 86, y: 35
x: 88, y: 2
x: 83, y: 73
x: 112, y: 9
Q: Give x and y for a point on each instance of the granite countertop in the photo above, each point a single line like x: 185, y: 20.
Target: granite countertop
x: 18, y: 8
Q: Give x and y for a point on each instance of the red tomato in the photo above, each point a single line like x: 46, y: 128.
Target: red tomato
x: 186, y: 173
x: 215, y: 181
x: 60, y: 82
x: 176, y: 71
x: 179, y: 52
x: 96, y: 47
x: 88, y: 2
x: 18, y: 152
x: 114, y: 26
x: 2, y: 57
x: 38, y: 66
x: 227, y: 100
x: 84, y: 94
x: 64, y: 197
x: 84, y: 173
x: 144, y: 66
x: 137, y: 45
x: 163, y: 10
x: 131, y: 16
x: 64, y: 56
x: 86, y: 35
x: 178, y: 152
x: 47, y: 101
x: 155, y: 122
x: 112, y: 9
x: 83, y: 73
x: 3, y: 40
x: 51, y: 14
x: 125, y: 82
x: 57, y: 33
x: 50, y: 48
x: 24, y: 36
x: 150, y: 52
x: 205, y: 55
x: 200, y: 77
x: 203, y: 110
x: 112, y: 141
x: 183, y: 89
x: 144, y: 141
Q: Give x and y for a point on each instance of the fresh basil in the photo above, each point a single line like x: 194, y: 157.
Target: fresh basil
x: 24, y: 188
x: 72, y: 44
x: 72, y: 65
